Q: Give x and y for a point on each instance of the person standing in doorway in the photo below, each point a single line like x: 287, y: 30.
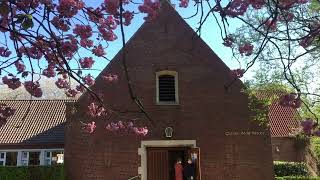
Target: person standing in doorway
x: 190, y: 170
x: 178, y: 169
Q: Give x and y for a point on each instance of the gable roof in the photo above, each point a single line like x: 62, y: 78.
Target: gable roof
x: 165, y: 18
x: 35, y: 122
x: 283, y: 120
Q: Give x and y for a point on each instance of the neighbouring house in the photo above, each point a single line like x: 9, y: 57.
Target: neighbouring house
x: 181, y: 83
x: 34, y: 135
x: 284, y: 122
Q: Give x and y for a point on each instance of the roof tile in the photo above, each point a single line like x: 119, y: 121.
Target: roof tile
x: 283, y: 120
x: 34, y: 122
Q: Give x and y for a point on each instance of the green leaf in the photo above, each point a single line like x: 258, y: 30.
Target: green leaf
x: 20, y: 18
x: 27, y: 23
x: 315, y: 6
x: 26, y: 20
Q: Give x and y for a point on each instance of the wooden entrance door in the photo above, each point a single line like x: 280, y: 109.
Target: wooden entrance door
x: 157, y: 164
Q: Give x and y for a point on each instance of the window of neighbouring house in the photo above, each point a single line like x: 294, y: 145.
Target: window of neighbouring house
x: 47, y: 158
x: 34, y: 158
x: 54, y: 157
x: 11, y: 158
x: 57, y: 157
x: 24, y: 158
x: 167, y: 87
x: 2, y: 158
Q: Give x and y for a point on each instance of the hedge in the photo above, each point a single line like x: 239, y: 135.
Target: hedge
x: 297, y: 178
x: 32, y: 173
x: 290, y: 169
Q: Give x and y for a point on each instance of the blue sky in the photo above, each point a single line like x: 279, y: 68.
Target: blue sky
x: 210, y: 34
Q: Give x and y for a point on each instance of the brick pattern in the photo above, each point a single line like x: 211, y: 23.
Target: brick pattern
x: 205, y: 113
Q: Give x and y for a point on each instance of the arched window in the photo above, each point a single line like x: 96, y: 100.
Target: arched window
x: 167, y: 87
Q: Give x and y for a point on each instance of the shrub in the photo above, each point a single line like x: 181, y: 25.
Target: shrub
x: 297, y: 178
x: 290, y: 169
x: 315, y: 147
x: 32, y: 173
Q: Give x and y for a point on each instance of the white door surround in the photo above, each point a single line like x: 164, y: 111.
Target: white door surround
x: 142, y: 151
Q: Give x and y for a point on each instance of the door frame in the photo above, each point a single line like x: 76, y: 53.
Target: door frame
x: 142, y: 151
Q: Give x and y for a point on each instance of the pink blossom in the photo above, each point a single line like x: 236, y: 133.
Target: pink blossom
x: 112, y: 6
x: 108, y: 35
x: 110, y: 77
x: 98, y: 51
x: 141, y: 131
x: 33, y: 88
x: 62, y: 84
x: 5, y: 113
x: 228, y: 41
x: 86, y: 43
x: 129, y: 126
x: 83, y: 31
x: 317, y: 132
x: 128, y: 16
x: 60, y: 23
x: 257, y: 4
x: 151, y: 8
x: 49, y: 71
x: 237, y: 73
x: 80, y: 88
x: 96, y: 110
x: 69, y: 8
x: 288, y: 16
x: 271, y: 24
x: 69, y: 47
x: 307, y: 126
x: 90, y: 127
x: 236, y: 8
x: 12, y: 83
x: 4, y: 52
x: 246, y: 49
x: 86, y: 62
x: 71, y: 92
x: 94, y: 14
x: 290, y: 100
x: 306, y: 41
x: 108, y: 23
x: 32, y: 52
x: 20, y: 66
x: 121, y: 125
x: 88, y: 80
x: 184, y: 3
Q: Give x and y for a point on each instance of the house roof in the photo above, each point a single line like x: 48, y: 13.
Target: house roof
x: 35, y: 122
x: 283, y: 120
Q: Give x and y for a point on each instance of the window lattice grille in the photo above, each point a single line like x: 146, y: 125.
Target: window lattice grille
x: 167, y: 91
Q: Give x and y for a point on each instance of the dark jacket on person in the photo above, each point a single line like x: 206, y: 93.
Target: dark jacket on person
x: 189, y: 170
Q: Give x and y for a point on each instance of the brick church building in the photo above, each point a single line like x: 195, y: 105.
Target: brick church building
x: 180, y: 82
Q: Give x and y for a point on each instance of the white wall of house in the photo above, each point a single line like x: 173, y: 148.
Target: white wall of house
x: 23, y: 156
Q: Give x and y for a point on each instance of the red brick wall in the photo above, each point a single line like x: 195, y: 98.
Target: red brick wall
x: 205, y: 113
x: 287, y: 150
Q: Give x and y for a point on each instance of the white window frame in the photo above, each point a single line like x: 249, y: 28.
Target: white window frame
x: 4, y: 158
x: 47, y: 158
x: 20, y: 151
x: 50, y: 158
x: 24, y: 159
x: 171, y: 73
